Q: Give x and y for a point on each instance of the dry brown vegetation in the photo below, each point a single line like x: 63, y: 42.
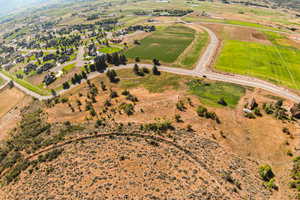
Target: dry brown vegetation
x: 238, y: 33
x: 119, y: 155
x: 12, y: 100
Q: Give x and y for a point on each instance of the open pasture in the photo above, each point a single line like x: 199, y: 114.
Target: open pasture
x: 166, y: 44
x: 274, y: 63
x: 211, y: 93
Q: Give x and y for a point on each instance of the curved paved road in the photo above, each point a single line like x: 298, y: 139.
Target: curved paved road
x: 202, y: 69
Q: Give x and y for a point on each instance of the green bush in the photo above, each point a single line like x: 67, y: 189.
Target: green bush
x: 15, y: 171
x: 250, y: 115
x: 127, y: 108
x: 257, y: 112
x: 180, y: 106
x: 266, y: 173
x: 203, y: 112
x: 50, y: 155
x: 159, y: 126
x: 271, y: 184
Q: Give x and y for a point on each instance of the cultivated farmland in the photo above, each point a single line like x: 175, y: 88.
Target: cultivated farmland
x: 166, y: 44
x: 274, y: 63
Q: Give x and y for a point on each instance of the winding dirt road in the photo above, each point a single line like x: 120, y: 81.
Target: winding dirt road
x: 201, y: 70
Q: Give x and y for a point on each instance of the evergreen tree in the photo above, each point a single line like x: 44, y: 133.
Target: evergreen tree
x: 66, y: 85
x: 123, y: 59
x: 155, y: 70
x: 156, y: 62
x: 86, y: 67
x: 109, y: 59
x: 83, y: 75
x: 116, y: 59
x: 136, y: 69
x: 112, y: 75
x: 137, y: 59
x: 100, y: 63
x: 73, y: 81
x: 92, y: 68
x: 103, y: 87
x: 77, y: 78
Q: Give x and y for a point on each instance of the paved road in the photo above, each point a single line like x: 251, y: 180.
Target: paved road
x: 25, y: 90
x: 202, y: 70
x: 4, y: 85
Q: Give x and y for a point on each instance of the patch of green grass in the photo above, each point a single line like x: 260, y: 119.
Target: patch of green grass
x: 273, y: 36
x: 165, y: 44
x: 1, y: 81
x: 231, y: 22
x: 274, y: 63
x: 29, y: 86
x: 73, y: 56
x: 152, y: 83
x: 192, y: 56
x: 211, y: 93
x: 278, y: 39
x: 68, y: 67
x: 110, y: 49
x: 249, y: 24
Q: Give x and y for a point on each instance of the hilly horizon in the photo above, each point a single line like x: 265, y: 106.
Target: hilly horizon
x: 7, y: 7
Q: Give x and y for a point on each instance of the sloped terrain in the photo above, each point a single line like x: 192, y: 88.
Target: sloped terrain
x: 141, y: 165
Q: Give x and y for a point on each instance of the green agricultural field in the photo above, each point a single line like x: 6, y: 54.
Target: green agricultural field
x: 278, y: 64
x: 231, y: 22
x: 166, y: 44
x: 211, y: 93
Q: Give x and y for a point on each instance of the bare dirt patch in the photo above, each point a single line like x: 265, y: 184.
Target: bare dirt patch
x: 9, y: 99
x: 225, y: 32
x: 12, y: 101
x: 259, y: 36
x: 129, y: 167
x: 138, y: 35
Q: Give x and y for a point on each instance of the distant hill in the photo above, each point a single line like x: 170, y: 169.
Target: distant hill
x: 288, y: 3
x: 12, y: 6
x: 7, y: 7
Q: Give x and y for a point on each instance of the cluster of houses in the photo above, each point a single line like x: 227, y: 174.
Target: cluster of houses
x: 126, y: 31
x: 164, y: 12
x: 246, y: 3
x: 39, y: 70
x: 28, y: 45
x: 49, y: 78
x: 44, y: 68
x: 92, y: 50
x: 29, y: 68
